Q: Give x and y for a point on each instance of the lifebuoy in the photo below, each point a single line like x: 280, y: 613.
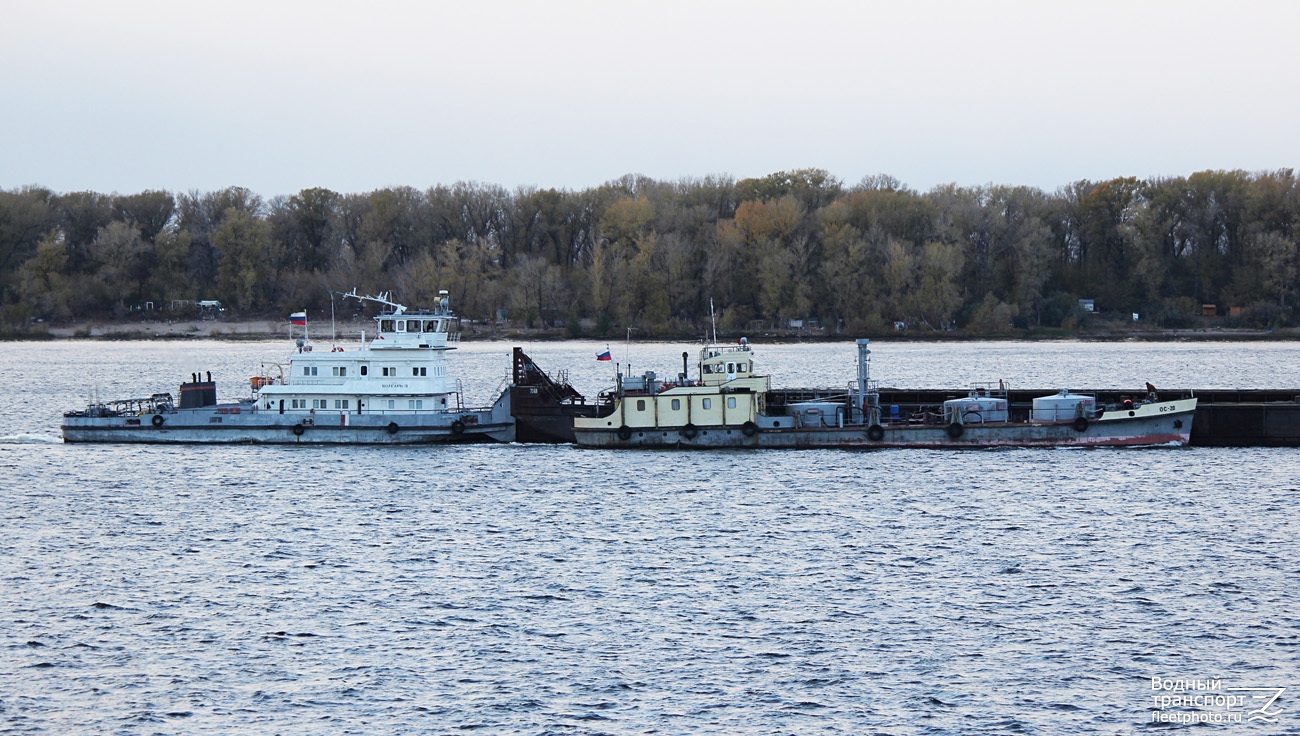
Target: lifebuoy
x: 955, y: 430
x: 624, y: 433
x: 875, y: 433
x: 457, y: 427
x: 1080, y: 424
x: 298, y: 430
x: 749, y: 428
x: 689, y: 431
x: 157, y: 420
x: 392, y: 427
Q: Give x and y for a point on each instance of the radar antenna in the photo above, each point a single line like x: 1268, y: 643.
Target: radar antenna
x: 384, y: 297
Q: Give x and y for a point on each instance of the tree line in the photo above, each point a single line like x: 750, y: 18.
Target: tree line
x: 650, y: 254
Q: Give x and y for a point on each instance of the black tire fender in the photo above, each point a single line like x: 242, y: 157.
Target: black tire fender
x: 157, y: 420
x: 875, y: 433
x: 1080, y: 424
x: 689, y: 431
x: 955, y: 430
x: 749, y: 428
x: 624, y: 433
x: 298, y: 429
x: 392, y: 428
x: 457, y: 427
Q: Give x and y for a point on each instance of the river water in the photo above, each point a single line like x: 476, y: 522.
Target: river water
x: 550, y: 590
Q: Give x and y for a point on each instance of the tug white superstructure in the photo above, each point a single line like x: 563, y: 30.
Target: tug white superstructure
x: 395, y: 389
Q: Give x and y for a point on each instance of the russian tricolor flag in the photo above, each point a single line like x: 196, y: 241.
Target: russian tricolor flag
x: 603, y: 355
x: 298, y: 318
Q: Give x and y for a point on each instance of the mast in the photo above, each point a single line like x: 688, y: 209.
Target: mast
x: 714, y: 318
x: 864, y: 376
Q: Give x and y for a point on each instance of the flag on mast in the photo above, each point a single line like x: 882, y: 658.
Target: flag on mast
x: 604, y: 354
x: 298, y: 318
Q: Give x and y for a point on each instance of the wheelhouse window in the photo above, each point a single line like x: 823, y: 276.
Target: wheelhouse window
x: 677, y: 404
x: 309, y: 370
x: 386, y: 325
x: 430, y: 326
x: 640, y: 404
x: 706, y: 403
x: 731, y: 402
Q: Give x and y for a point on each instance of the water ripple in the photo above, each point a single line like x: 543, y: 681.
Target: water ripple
x: 532, y: 590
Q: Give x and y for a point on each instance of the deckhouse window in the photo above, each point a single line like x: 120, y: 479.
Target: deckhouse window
x: 742, y: 367
x: 731, y: 402
x: 340, y: 370
x: 430, y: 326
x: 415, y: 403
x: 365, y: 370
x: 706, y: 403
x: 385, y: 325
x: 341, y: 403
x: 677, y: 404
x: 731, y: 367
x: 640, y: 404
x: 309, y: 370
x: 420, y: 371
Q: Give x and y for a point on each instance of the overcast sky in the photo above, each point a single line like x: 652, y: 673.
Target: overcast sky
x: 353, y: 96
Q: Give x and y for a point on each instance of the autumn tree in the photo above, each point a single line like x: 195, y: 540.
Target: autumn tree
x: 246, y: 274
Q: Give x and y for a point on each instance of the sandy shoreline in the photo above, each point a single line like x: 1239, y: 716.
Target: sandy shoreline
x: 256, y: 329
x: 278, y: 330
x: 247, y: 330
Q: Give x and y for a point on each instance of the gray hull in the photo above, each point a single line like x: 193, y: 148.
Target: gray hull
x: 1168, y: 429
x: 240, y: 423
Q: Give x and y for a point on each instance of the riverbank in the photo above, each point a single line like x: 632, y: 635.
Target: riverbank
x: 349, y: 331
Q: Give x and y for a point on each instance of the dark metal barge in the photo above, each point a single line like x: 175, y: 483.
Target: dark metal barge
x: 545, y: 406
x: 1224, y: 417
